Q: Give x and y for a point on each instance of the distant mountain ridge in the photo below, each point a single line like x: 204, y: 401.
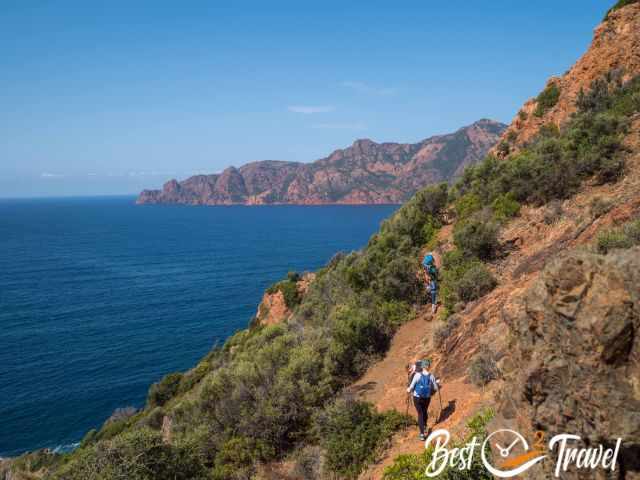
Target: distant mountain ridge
x: 364, y: 173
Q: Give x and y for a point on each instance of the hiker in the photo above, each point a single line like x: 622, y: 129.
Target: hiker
x: 431, y: 279
x: 423, y: 384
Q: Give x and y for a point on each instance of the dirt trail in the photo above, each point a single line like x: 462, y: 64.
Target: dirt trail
x: 385, y: 383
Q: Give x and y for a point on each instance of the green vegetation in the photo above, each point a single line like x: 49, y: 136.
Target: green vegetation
x: 619, y: 4
x: 138, y: 454
x: 626, y: 236
x: 289, y: 289
x: 476, y: 237
x: 163, y: 391
x: 553, y: 167
x: 413, y: 467
x: 464, y: 279
x: 270, y: 390
x: 547, y: 99
x: 505, y: 207
x: 352, y: 434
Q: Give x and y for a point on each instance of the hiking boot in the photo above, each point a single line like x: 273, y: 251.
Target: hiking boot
x: 422, y: 437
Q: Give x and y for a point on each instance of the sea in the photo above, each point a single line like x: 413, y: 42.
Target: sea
x: 100, y: 297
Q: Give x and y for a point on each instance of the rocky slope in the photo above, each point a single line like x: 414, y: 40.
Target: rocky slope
x: 576, y: 347
x: 615, y: 49
x: 364, y: 173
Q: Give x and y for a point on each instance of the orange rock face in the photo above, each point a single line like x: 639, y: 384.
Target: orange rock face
x: 615, y: 45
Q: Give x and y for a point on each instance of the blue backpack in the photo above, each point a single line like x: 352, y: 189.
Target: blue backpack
x: 423, y: 386
x: 428, y: 260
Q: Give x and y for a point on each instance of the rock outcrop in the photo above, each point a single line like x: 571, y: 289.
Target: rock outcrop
x: 273, y: 308
x: 364, y: 173
x: 574, y: 363
x: 615, y: 47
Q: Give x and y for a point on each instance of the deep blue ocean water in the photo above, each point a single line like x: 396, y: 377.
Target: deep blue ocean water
x: 99, y: 297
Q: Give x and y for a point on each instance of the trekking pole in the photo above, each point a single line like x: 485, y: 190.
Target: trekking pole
x: 406, y: 403
x: 440, y: 399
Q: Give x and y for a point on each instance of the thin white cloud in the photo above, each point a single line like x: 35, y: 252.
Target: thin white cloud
x: 310, y: 109
x: 51, y: 175
x: 363, y: 87
x: 341, y: 126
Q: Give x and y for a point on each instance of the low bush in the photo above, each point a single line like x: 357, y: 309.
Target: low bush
x: 466, y: 205
x: 483, y: 368
x: 163, y: 391
x: 600, y: 206
x: 191, y: 378
x: 625, y: 237
x: 547, y: 99
x: 444, y: 331
x: 289, y: 290
x: 505, y: 207
x: 553, y: 212
x: 463, y: 279
x: 475, y: 282
x: 352, y: 434
x: 554, y: 166
x: 413, y: 466
x: 619, y: 4
x: 503, y: 148
x: 476, y: 237
x: 136, y: 455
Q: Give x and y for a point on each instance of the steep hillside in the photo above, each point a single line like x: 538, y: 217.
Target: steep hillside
x: 364, y: 173
x: 614, y: 53
x: 538, y: 256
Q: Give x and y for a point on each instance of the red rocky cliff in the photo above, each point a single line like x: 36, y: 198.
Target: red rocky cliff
x: 364, y: 173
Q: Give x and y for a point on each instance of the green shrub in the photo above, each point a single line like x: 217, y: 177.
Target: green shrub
x: 483, y: 368
x: 352, y: 434
x: 163, y: 391
x: 619, y: 4
x: 547, y: 99
x: 413, y: 466
x: 503, y: 148
x: 289, y: 290
x: 554, y: 165
x: 476, y: 238
x: 625, y: 237
x: 600, y: 206
x: 463, y: 279
x: 293, y: 276
x: 136, y: 455
x: 505, y: 207
x: 522, y: 115
x: 549, y: 130
x: 467, y: 205
x: 475, y: 282
x: 193, y: 377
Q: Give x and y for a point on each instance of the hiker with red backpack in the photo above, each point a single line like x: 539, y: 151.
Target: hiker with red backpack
x: 423, y: 384
x: 431, y: 279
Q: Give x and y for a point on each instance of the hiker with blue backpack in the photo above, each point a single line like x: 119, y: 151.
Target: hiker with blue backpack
x: 423, y: 385
x: 431, y: 279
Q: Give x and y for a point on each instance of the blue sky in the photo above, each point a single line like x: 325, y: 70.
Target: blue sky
x: 112, y: 97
